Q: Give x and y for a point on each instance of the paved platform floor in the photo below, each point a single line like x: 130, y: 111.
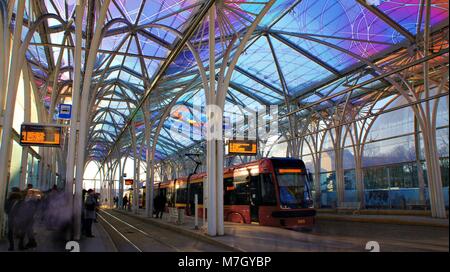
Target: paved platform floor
x: 55, y: 241
x: 409, y: 220
x: 328, y: 235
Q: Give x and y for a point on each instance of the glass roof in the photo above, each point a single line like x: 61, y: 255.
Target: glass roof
x: 288, y: 58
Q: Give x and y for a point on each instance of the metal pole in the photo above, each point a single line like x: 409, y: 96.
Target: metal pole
x: 196, y: 210
x: 205, y: 199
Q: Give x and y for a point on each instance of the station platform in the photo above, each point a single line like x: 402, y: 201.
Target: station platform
x: 55, y: 241
x: 399, y: 217
x: 330, y: 234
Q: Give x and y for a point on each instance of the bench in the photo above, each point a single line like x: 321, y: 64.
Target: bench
x: 355, y: 207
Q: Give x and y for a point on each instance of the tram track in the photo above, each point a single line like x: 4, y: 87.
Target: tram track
x: 119, y: 233
x: 132, y: 235
x: 125, y: 233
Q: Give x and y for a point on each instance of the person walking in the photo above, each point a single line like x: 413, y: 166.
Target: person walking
x: 89, y: 213
x: 83, y: 211
x: 11, y: 209
x: 160, y: 204
x: 27, y: 213
x: 125, y: 202
x: 115, y: 200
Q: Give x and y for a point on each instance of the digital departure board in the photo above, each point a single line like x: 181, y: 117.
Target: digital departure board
x: 40, y: 135
x: 242, y: 147
x: 129, y: 182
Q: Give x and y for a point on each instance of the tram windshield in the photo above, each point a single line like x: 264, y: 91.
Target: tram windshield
x: 293, y: 187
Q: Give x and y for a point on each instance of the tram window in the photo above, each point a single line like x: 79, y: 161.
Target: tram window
x: 241, y: 193
x: 163, y: 191
x: 181, y: 195
x: 268, y: 196
x: 229, y: 191
x: 196, y: 188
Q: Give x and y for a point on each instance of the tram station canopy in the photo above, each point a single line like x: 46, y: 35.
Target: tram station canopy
x: 302, y: 56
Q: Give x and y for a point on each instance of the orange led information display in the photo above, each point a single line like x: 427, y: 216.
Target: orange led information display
x: 242, y: 147
x: 129, y: 182
x: 40, y: 135
x: 289, y: 171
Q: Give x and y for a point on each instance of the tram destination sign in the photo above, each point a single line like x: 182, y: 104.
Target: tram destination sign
x: 242, y: 147
x: 40, y: 135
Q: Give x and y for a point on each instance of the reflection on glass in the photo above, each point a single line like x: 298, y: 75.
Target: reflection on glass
x: 293, y: 190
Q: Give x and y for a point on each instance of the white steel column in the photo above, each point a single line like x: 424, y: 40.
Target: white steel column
x: 217, y: 100
x: 211, y: 143
x: 26, y: 119
x: 5, y: 41
x: 77, y: 201
x: 148, y: 179
x: 429, y: 132
x: 10, y: 105
x: 135, y: 197
x: 84, y: 113
x: 121, y: 172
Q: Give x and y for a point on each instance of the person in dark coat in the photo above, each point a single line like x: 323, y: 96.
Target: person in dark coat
x: 11, y: 209
x: 27, y: 213
x: 125, y: 202
x: 160, y: 204
x: 83, y: 220
x: 90, y: 206
x: 163, y: 204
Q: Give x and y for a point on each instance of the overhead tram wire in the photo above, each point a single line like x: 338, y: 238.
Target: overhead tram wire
x: 173, y: 54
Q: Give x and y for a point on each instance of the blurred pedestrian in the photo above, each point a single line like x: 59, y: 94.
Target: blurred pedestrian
x: 11, y: 209
x: 27, y: 212
x: 83, y: 218
x: 90, y: 205
x: 125, y: 202
x: 24, y: 216
x: 160, y: 205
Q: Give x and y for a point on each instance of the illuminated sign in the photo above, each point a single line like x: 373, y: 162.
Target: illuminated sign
x: 40, y: 135
x: 252, y: 170
x: 242, y: 147
x: 129, y: 182
x: 290, y: 171
x: 65, y: 111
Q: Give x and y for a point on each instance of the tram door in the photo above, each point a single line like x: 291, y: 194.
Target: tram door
x: 254, y: 198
